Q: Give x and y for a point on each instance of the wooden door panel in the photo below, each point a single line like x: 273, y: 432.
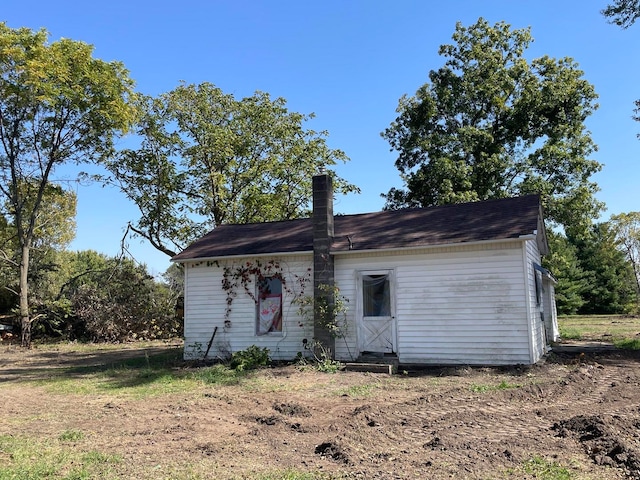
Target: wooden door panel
x: 378, y: 334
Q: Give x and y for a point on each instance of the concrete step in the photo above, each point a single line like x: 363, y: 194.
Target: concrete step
x: 375, y: 363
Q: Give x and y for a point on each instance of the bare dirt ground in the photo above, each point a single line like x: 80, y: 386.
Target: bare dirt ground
x: 575, y: 411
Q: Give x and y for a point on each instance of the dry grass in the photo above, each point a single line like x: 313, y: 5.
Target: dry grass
x: 603, y: 328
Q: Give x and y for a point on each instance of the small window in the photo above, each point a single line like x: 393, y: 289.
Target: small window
x: 538, y: 272
x: 269, y: 308
x: 376, y: 296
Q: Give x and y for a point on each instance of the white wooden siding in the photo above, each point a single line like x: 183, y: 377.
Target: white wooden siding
x: 551, y: 312
x: 537, y: 328
x: 453, y: 305
x: 463, y: 306
x: 346, y: 279
x: 205, y: 306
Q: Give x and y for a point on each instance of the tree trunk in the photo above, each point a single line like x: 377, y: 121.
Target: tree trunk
x: 25, y: 320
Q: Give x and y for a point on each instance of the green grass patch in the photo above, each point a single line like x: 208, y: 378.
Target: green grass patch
x: 571, y: 333
x: 475, y: 388
x: 292, y: 474
x: 144, y: 376
x: 365, y: 390
x: 35, y: 459
x: 543, y: 469
x: 122, y: 381
x: 603, y: 328
x: 219, y: 375
x: 92, y: 457
x: 71, y: 436
x: 628, y: 343
x: 483, y: 388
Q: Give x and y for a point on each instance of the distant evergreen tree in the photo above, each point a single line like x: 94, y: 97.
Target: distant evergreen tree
x: 608, y: 272
x: 573, y: 281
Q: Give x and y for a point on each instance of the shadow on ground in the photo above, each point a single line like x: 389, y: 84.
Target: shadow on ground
x: 17, y: 365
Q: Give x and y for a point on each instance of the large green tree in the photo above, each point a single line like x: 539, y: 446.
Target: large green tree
x: 207, y: 158
x: 626, y: 228
x: 492, y: 124
x: 58, y: 105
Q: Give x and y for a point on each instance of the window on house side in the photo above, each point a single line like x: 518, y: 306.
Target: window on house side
x: 539, y: 284
x: 269, y: 308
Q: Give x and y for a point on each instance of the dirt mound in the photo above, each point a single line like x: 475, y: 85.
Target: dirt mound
x: 603, y: 438
x: 292, y: 409
x: 333, y: 451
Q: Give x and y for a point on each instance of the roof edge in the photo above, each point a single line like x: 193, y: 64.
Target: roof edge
x: 522, y: 238
x: 224, y: 257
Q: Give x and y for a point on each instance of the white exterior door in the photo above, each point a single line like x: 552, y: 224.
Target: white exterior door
x: 377, y: 331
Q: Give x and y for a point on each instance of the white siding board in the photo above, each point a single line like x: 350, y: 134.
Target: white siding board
x: 494, y: 348
x: 442, y: 334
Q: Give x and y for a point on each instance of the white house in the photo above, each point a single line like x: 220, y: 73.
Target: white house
x: 456, y: 284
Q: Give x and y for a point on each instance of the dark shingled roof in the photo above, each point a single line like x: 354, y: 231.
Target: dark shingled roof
x: 449, y: 224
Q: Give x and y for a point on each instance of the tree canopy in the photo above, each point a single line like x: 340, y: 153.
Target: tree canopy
x: 623, y: 13
x: 57, y: 105
x: 626, y: 228
x: 206, y: 158
x: 491, y: 124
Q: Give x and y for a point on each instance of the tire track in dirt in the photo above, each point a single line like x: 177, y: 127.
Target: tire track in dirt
x: 456, y: 417
x: 483, y: 431
x: 501, y: 415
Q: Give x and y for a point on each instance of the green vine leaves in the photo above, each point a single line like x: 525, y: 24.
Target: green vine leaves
x: 242, y: 277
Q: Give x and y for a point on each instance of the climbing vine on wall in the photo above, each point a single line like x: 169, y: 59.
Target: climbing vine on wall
x: 242, y: 277
x: 330, y: 315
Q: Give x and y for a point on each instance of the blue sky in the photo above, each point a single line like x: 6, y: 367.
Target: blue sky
x: 348, y: 62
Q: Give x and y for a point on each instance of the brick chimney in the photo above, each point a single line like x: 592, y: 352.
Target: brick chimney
x: 323, y: 272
